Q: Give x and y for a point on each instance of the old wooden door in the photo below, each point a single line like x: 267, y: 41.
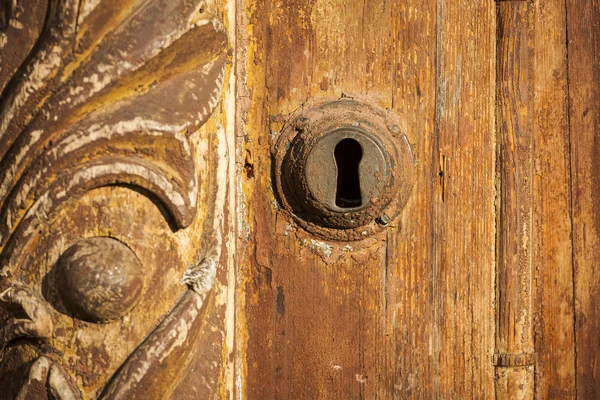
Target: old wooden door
x: 283, y: 199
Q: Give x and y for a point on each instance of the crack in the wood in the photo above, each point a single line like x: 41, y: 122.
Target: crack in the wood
x: 438, y: 110
x: 573, y: 275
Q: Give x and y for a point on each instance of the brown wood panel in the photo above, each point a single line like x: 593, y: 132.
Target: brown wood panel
x: 403, y: 314
x: 552, y: 251
x: 514, y: 359
x: 583, y: 32
x: 315, y: 311
x: 410, y: 295
x: 113, y: 206
x: 463, y: 264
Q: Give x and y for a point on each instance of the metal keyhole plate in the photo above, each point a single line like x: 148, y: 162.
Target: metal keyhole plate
x: 347, y: 192
x: 322, y: 169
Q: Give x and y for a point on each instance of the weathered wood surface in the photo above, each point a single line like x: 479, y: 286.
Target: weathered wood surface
x: 409, y: 312
x: 485, y: 286
x: 514, y: 356
x: 552, y: 245
x: 583, y: 46
x: 108, y: 150
x: 311, y: 311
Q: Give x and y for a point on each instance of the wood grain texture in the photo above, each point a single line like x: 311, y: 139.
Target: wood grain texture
x: 552, y: 246
x: 514, y: 275
x: 583, y: 32
x: 314, y: 318
x: 464, y: 211
x: 104, y: 133
x: 410, y: 251
x: 486, y: 286
x: 409, y: 313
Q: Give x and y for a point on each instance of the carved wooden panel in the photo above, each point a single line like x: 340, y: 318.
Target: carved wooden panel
x: 112, y: 197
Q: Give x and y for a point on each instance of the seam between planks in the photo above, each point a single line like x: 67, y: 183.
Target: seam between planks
x: 573, y: 274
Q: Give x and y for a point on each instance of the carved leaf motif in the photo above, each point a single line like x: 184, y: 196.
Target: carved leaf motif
x: 108, y: 95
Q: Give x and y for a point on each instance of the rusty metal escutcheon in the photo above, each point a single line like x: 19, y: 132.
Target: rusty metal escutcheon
x: 343, y: 169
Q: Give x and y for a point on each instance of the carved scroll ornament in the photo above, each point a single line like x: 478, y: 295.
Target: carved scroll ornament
x: 106, y: 93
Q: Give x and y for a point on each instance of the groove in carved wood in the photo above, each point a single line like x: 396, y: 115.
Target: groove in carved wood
x: 108, y: 121
x: 37, y: 321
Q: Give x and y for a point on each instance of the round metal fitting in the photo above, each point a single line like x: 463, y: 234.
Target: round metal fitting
x: 340, y: 166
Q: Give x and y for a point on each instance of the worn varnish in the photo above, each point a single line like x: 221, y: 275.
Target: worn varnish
x: 137, y: 140
x: 583, y: 47
x: 514, y: 357
x: 463, y: 226
x: 475, y: 290
x: 551, y: 236
x: 114, y: 207
x: 388, y: 316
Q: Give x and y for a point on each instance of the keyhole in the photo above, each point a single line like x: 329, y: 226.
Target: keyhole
x: 348, y: 154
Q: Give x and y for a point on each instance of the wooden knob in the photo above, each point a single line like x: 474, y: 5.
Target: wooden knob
x: 99, y: 279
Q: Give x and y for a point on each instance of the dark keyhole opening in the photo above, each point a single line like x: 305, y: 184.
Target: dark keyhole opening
x: 348, y: 154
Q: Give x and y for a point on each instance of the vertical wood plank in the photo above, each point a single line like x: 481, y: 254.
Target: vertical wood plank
x: 514, y: 357
x: 410, y: 313
x: 552, y: 251
x: 314, y: 311
x: 583, y: 32
x: 463, y: 264
x: 409, y: 259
